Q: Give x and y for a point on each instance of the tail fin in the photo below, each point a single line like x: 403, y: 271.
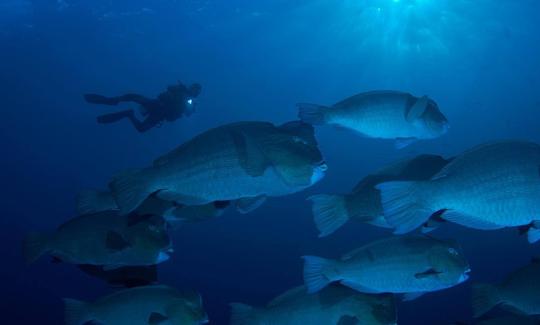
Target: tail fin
x: 329, y: 213
x: 241, y: 314
x: 485, y: 297
x: 403, y: 206
x: 75, y: 312
x: 92, y: 201
x: 315, y: 268
x: 34, y: 246
x: 130, y: 188
x: 312, y: 113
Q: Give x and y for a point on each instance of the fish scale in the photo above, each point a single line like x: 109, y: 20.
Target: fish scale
x: 506, y: 194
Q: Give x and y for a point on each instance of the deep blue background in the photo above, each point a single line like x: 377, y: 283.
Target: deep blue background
x: 255, y: 59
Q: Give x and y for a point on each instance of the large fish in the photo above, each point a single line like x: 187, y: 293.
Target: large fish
x: 491, y: 186
x: 409, y: 265
x: 382, y: 114
x: 334, y: 305
x: 520, y: 292
x: 364, y: 202
x: 247, y: 161
x: 105, y: 239
x: 150, y: 305
x: 93, y: 201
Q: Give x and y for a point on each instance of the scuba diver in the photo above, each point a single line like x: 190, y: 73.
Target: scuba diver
x: 176, y: 101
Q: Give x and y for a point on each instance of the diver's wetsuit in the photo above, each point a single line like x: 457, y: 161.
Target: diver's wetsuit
x: 169, y: 106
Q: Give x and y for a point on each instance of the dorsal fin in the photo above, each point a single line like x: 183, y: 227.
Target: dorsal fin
x: 288, y: 295
x: 355, y: 252
x: 304, y: 131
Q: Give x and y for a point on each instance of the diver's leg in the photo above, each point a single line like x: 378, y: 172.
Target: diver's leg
x: 145, y: 125
x: 114, y: 117
x: 133, y: 98
x: 98, y: 99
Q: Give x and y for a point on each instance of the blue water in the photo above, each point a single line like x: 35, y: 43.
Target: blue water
x: 255, y: 60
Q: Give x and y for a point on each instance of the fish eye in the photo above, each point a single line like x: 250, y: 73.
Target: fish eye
x: 453, y: 251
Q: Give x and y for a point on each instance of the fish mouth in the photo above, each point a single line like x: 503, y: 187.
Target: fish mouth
x: 162, y: 257
x: 322, y: 166
x: 465, y: 276
x: 318, y: 172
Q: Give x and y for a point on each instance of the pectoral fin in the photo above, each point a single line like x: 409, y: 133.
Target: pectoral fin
x: 248, y: 204
x: 116, y: 242
x: 417, y: 109
x: 404, y: 142
x: 412, y: 296
x: 426, y: 274
x: 252, y: 158
x: 157, y: 318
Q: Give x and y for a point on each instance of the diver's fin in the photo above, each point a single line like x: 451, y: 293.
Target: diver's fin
x: 102, y: 100
x: 241, y: 314
x: 417, y: 109
x: 92, y: 201
x: 314, y: 273
x: 116, y: 242
x: 252, y: 158
x: 485, y: 297
x: 429, y: 273
x: 401, y: 143
x: 412, y: 296
x: 329, y: 213
x: 248, y: 204
x: 157, y: 318
x: 34, y: 246
x: 403, y: 205
x: 76, y: 312
x: 312, y: 113
x: 130, y: 188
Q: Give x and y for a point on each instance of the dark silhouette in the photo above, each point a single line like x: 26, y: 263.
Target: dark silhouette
x: 177, y: 101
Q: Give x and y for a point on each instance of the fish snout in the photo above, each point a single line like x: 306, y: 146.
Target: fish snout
x: 465, y: 275
x: 318, y: 172
x: 322, y: 166
x: 162, y: 257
